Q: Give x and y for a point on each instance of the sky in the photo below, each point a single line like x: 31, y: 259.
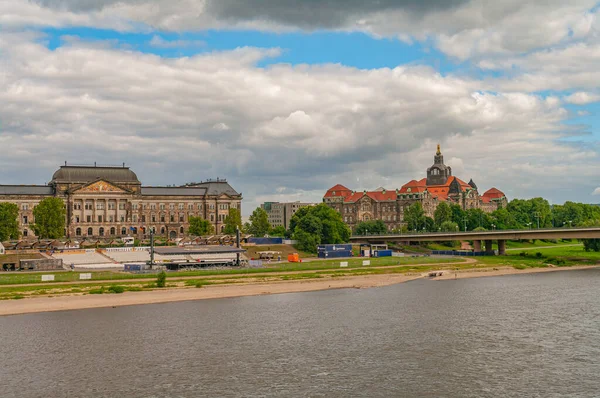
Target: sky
x: 287, y: 98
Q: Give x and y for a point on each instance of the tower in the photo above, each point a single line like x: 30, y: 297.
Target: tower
x: 438, y: 173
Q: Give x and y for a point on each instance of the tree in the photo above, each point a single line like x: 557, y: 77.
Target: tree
x: 232, y: 222
x: 9, y: 225
x: 449, y: 226
x: 414, y: 217
x: 200, y: 226
x: 458, y: 214
x: 278, y: 231
x: 259, y: 223
x: 370, y: 227
x: 319, y: 225
x: 442, y: 213
x: 49, y: 217
x: 591, y: 244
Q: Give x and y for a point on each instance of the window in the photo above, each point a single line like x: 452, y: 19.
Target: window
x: 171, y: 206
x: 111, y: 218
x: 153, y: 218
x: 100, y: 206
x: 181, y: 218
x: 101, y: 231
x: 190, y: 207
x: 123, y: 231
x: 212, y: 217
x: 76, y: 219
x: 112, y: 230
x: 172, y: 218
x: 162, y: 218
x: 77, y: 206
x: 212, y: 206
x: 162, y: 206
x: 88, y: 218
x: 89, y: 205
x: 99, y: 218
x: 135, y: 218
x: 122, y: 205
x: 153, y: 206
x: 181, y: 206
x: 134, y: 206
x: 78, y: 232
x: 24, y: 206
x: 25, y: 221
x: 24, y: 232
x: 143, y: 218
x: 180, y: 230
x: 162, y: 231
x: 111, y: 205
x: 122, y: 218
x: 90, y: 231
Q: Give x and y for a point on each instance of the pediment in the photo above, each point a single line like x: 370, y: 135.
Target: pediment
x: 100, y: 186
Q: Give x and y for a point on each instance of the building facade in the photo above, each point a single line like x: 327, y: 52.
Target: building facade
x: 111, y: 202
x: 280, y: 214
x: 389, y: 205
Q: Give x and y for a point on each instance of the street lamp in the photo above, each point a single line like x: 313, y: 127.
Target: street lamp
x: 465, y: 222
x: 493, y: 227
x: 529, y: 225
x: 537, y: 215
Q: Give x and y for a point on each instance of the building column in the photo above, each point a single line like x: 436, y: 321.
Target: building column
x: 488, y: 247
x: 501, y: 247
x: 477, y: 245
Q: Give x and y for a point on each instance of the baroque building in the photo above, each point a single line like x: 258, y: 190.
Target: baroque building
x: 389, y: 205
x: 110, y: 201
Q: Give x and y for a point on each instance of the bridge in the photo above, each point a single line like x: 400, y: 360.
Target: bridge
x: 480, y: 237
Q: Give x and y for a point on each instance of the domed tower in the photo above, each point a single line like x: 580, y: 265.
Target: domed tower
x: 439, y: 172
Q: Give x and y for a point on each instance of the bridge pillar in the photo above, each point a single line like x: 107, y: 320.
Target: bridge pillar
x: 488, y: 247
x: 477, y: 245
x: 502, y: 247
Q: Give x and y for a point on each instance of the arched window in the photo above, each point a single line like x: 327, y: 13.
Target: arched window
x: 162, y: 231
x: 180, y: 230
x: 78, y: 232
x: 90, y: 231
x: 101, y: 231
x: 112, y: 230
x: 123, y: 231
x: 366, y: 217
x: 222, y: 228
x: 134, y: 230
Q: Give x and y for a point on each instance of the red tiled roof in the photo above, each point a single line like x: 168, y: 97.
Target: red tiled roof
x: 338, y: 190
x: 493, y: 193
x: 354, y: 197
x: 382, y: 196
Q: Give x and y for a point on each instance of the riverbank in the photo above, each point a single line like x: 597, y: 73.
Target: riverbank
x: 78, y: 301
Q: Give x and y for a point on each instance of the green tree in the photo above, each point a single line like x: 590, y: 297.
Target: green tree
x: 200, y: 226
x: 449, y: 226
x: 503, y: 219
x: 278, y: 231
x: 9, y: 225
x: 414, y: 217
x: 232, y: 222
x: 458, y: 214
x: 477, y: 218
x: 319, y: 225
x: 259, y: 223
x: 49, y: 217
x: 370, y: 227
x: 442, y: 213
x: 591, y: 244
x: 301, y: 212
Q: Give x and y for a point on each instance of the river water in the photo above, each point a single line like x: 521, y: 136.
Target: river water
x: 513, y: 336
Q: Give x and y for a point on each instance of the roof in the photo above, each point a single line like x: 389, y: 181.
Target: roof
x: 493, y: 193
x: 173, y: 251
x: 26, y: 190
x: 218, y: 187
x: 84, y: 174
x: 174, y: 191
x: 338, y: 190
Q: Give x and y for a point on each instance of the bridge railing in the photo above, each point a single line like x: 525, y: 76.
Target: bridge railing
x: 494, y: 231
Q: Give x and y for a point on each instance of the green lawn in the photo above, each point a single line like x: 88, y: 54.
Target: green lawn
x: 558, y: 256
x: 513, y: 244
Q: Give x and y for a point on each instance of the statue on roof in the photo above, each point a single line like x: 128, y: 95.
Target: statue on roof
x: 439, y: 152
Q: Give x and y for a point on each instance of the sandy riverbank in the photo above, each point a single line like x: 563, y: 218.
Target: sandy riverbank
x: 74, y: 302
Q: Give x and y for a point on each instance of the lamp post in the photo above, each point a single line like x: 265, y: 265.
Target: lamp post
x: 537, y: 216
x: 493, y: 227
x: 529, y: 225
x: 465, y: 223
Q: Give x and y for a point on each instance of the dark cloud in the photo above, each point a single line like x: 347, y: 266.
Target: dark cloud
x: 318, y: 13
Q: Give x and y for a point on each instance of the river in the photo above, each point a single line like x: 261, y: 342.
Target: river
x: 535, y: 335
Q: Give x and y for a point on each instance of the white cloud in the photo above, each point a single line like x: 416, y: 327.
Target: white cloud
x: 596, y: 191
x: 582, y: 98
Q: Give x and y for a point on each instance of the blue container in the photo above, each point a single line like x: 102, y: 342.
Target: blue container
x: 335, y: 247
x: 132, y: 267
x: 383, y: 253
x: 335, y: 254
x: 266, y: 241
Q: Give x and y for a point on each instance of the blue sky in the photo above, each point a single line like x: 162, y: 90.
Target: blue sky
x: 359, y: 94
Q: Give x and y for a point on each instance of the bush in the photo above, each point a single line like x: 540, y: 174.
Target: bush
x: 116, y: 289
x: 519, y: 266
x: 539, y: 255
x: 523, y: 254
x: 97, y: 291
x: 161, y: 279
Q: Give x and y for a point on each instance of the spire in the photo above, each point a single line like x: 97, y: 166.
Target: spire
x: 439, y: 152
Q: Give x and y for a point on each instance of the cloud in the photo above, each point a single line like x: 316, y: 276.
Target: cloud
x: 582, y: 98
x: 596, y: 191
x: 465, y: 29
x: 159, y: 42
x: 305, y: 128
